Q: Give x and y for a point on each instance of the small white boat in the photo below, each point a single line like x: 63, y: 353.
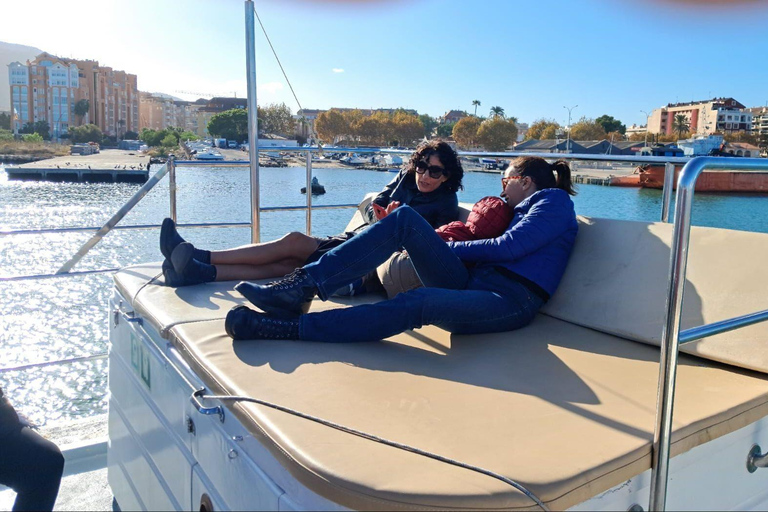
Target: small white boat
x: 209, y: 155
x: 391, y: 160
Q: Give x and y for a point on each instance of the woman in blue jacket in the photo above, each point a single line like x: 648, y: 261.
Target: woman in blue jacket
x: 428, y: 184
x: 480, y: 286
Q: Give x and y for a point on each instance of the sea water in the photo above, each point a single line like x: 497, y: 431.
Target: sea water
x: 63, y: 318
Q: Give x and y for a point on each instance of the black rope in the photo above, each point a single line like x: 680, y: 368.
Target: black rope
x: 277, y: 58
x: 381, y: 440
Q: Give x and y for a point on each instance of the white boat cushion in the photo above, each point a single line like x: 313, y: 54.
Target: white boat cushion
x: 617, y: 278
x: 565, y: 410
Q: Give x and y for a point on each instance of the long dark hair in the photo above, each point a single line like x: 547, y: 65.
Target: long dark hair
x: 448, y: 158
x: 543, y: 173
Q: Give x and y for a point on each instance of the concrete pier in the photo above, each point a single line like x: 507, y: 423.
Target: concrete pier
x: 111, y: 165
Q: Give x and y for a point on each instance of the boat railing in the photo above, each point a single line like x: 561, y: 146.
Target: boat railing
x: 672, y: 337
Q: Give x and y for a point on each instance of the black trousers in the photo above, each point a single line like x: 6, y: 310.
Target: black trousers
x: 29, y: 464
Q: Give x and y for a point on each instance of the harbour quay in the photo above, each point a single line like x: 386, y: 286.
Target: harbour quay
x: 110, y: 165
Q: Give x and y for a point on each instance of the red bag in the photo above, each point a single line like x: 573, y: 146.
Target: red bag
x: 489, y: 218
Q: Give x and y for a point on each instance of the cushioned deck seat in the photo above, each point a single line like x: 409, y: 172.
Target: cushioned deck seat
x: 565, y: 406
x: 507, y: 402
x: 566, y: 411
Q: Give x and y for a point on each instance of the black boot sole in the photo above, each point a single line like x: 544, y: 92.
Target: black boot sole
x: 181, y: 257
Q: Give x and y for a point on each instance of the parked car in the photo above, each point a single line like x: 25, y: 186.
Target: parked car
x: 232, y: 144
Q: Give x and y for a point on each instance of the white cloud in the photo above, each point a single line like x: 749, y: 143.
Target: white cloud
x: 338, y: 70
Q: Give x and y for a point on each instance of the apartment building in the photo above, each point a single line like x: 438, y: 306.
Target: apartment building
x: 159, y: 111
x: 759, y: 120
x: 722, y: 115
x: 48, y: 88
x: 205, y: 111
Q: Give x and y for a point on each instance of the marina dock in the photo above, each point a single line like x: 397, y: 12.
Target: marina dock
x: 110, y: 165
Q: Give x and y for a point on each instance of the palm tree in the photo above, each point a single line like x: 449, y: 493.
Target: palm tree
x: 476, y: 103
x: 497, y: 112
x: 680, y: 124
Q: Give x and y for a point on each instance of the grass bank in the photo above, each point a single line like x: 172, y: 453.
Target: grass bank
x: 37, y: 150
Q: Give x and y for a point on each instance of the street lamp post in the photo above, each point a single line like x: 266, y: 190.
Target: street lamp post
x: 568, y: 144
x: 647, y: 116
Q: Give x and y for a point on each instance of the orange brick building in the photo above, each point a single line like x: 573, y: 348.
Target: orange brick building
x: 48, y: 88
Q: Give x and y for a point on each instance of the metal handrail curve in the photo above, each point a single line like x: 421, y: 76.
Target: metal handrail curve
x: 671, y: 336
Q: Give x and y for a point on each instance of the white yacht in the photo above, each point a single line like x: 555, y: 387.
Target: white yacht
x: 209, y: 154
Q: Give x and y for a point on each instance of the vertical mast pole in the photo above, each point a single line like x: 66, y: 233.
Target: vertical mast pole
x: 253, y: 120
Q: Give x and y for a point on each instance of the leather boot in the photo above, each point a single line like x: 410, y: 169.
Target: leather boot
x: 288, y: 297
x: 243, y: 323
x: 186, y: 266
x: 170, y: 239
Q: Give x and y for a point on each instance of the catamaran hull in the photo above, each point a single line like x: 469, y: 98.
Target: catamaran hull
x: 165, y: 455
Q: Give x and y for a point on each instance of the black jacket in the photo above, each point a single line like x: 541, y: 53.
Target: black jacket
x: 9, y: 420
x: 438, y: 207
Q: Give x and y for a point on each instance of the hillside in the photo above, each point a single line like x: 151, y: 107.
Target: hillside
x: 10, y: 52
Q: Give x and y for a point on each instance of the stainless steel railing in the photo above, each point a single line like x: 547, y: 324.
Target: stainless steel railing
x: 671, y: 336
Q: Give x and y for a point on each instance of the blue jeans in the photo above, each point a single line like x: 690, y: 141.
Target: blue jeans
x: 457, y: 299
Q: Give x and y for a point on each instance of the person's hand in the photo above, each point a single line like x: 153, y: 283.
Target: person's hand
x: 379, y: 212
x: 391, y: 206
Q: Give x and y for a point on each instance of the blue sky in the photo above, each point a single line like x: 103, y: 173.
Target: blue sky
x: 613, y: 57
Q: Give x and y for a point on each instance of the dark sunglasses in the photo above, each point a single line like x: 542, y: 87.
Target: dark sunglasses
x: 435, y: 172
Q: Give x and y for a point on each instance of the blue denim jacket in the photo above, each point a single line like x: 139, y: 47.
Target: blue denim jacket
x: 438, y: 207
x: 537, y: 243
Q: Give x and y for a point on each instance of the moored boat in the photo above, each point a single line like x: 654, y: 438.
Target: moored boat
x: 652, y: 176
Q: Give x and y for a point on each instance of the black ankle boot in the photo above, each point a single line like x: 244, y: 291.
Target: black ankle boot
x: 243, y: 323
x: 287, y: 298
x: 189, y: 268
x: 170, y: 239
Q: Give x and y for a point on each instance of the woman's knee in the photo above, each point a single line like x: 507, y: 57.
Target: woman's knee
x: 300, y: 241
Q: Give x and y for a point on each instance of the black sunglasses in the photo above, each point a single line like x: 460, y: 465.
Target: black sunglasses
x: 435, y: 172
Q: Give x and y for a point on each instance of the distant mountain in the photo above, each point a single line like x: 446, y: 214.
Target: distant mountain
x: 10, y: 52
x: 164, y: 95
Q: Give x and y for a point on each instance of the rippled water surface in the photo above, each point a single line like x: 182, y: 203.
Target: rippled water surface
x: 50, y: 319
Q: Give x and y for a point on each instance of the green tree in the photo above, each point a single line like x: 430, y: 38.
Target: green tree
x: 5, y: 121
x: 40, y: 127
x: 680, y: 124
x: 230, y: 124
x: 465, y: 131
x: 188, y: 135
x: 150, y: 137
x: 497, y: 112
x: 475, y: 103
x: 81, y: 109
x: 32, y: 137
x: 429, y: 123
x: 275, y: 119
x: 169, y: 141
x: 86, y: 133
x: 542, y: 129
x: 131, y: 135
x: 742, y: 136
x: 406, y: 128
x: 497, y: 134
x: 610, y: 124
x: 331, y: 126
x: 587, y: 129
x: 445, y: 130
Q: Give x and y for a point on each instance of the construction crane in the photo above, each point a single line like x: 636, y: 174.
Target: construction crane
x: 205, y: 94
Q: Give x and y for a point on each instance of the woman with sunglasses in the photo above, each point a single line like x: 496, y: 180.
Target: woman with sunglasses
x: 428, y: 184
x: 479, y: 286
